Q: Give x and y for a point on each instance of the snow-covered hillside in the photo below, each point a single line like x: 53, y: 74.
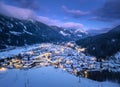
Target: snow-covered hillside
x: 15, y: 32
x: 46, y: 77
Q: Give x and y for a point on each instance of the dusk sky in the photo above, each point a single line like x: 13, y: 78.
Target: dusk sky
x: 85, y: 14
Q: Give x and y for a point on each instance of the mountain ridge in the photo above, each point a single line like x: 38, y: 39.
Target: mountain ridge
x: 103, y: 45
x: 15, y: 32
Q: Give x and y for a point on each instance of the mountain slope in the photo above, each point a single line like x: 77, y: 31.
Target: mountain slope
x: 93, y: 32
x: 103, y: 45
x: 15, y: 32
x: 71, y: 34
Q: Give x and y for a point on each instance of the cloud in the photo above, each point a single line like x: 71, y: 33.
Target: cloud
x: 22, y: 13
x: 16, y: 12
x: 25, y: 14
x: 72, y: 25
x: 67, y: 25
x: 100, y: 19
x: 49, y: 21
x: 74, y: 13
x: 29, y: 4
x: 110, y: 10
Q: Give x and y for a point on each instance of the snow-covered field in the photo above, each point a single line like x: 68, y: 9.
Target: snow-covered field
x: 16, y: 51
x: 47, y: 77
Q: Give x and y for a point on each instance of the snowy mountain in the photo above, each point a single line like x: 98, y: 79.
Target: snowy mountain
x: 15, y: 32
x: 103, y: 45
x: 72, y: 34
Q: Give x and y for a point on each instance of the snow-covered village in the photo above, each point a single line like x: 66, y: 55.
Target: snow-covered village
x: 68, y: 57
x: 59, y: 43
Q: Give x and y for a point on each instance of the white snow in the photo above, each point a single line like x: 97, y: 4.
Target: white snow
x: 47, y: 77
x: 79, y: 35
x: 64, y: 34
x: 117, y: 57
x: 28, y: 32
x: 23, y: 25
x: 15, y: 33
x: 16, y: 51
x: 113, y: 40
x: 80, y: 31
x: 93, y: 48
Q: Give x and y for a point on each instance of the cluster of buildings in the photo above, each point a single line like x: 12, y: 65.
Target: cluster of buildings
x: 68, y: 57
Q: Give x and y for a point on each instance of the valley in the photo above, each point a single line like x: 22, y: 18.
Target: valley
x: 68, y: 57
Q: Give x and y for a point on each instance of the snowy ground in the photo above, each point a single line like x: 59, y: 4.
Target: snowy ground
x: 47, y: 77
x: 16, y: 51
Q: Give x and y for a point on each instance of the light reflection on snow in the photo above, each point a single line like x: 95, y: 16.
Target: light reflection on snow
x: 2, y: 69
